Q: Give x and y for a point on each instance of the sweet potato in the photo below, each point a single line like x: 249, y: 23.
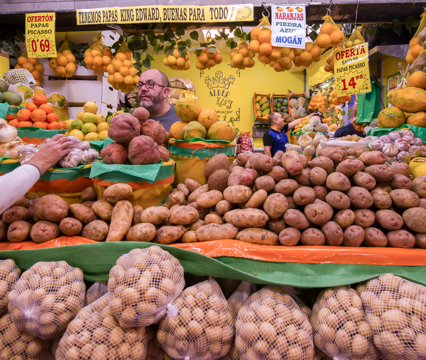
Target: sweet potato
x: 257, y: 199
x: 320, y: 192
x: 400, y: 239
x: 143, y: 232
x: 373, y: 158
x: 193, y: 196
x: 304, y: 196
x: 242, y: 158
x: 338, y: 181
x: 414, y: 218
x: 189, y: 237
x: 401, y: 168
x: 192, y: 185
x: 304, y: 178
x: 381, y: 173
x: 223, y: 207
x: 237, y: 194
x: 43, y: 231
x: 183, y: 215
x: 278, y: 173
x: 286, y: 187
x: 183, y: 188
x: 261, y: 162
x: 364, y: 218
x: 390, y: 220
x: 70, y: 226
x: 353, y: 236
x: 338, y: 200
x: 421, y: 241
x: 18, y: 231
x: 258, y: 236
x: 360, y: 197
x: 401, y: 182
x: 169, y: 234
x: 265, y: 182
x: 212, y: 232
x: 117, y: 192
x: 276, y: 225
x: 364, y: 180
x: 51, y: 208
x: 349, y: 167
x: 82, y: 213
x: 89, y: 194
x: 318, y: 176
x: 196, y: 225
x: 374, y: 237
x: 3, y: 229
x: 289, y: 237
x: 246, y: 218
x: 333, y: 233
x: 121, y: 220
x: 275, y: 205
x: 96, y: 230
x: 404, y: 198
x: 296, y: 219
x: 381, y: 199
x: 103, y: 209
x: 344, y: 218
x: 213, y: 218
x: 292, y: 162
x: 319, y: 212
x: 209, y: 199
x: 16, y: 213
x: 248, y: 176
x: 313, y: 237
x: 322, y: 162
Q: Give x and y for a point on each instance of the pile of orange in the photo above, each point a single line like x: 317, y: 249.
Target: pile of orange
x: 209, y: 57
x: 64, y: 64
x: 414, y: 50
x: 329, y: 35
x: 242, y: 57
x: 38, y: 114
x: 33, y: 66
x: 261, y: 44
x: 177, y: 62
x: 122, y: 74
x: 98, y: 58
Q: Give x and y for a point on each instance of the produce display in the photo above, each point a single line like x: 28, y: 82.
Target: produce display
x: 98, y: 56
x: 280, y: 105
x: 242, y: 57
x: 10, y: 143
x: 262, y: 106
x: 33, y: 66
x: 206, y: 59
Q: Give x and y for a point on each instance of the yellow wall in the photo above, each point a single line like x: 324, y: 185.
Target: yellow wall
x: 391, y: 68
x: 260, y: 79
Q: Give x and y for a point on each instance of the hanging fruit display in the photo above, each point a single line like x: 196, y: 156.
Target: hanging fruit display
x: 242, y: 57
x: 32, y: 65
x: 98, y: 56
x: 176, y: 61
x: 209, y: 57
x: 64, y: 64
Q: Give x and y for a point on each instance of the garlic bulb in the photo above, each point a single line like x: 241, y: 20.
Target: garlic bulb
x: 89, y: 156
x: 72, y: 159
x: 7, y: 132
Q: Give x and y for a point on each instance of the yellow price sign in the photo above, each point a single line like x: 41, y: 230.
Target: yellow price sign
x: 40, y: 35
x: 351, y: 70
x: 189, y: 94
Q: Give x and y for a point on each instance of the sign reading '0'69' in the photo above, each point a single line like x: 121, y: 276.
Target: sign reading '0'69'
x: 40, y: 35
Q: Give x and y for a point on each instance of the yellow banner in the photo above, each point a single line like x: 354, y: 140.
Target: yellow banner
x: 157, y: 14
x: 40, y: 35
x: 351, y: 70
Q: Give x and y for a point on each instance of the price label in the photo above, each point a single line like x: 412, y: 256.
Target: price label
x: 189, y: 94
x: 40, y: 35
x: 352, y: 71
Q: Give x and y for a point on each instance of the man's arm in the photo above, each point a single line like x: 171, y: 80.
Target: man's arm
x: 268, y: 142
x: 268, y: 150
x: 293, y: 124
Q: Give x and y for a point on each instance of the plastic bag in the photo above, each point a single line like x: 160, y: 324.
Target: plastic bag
x: 355, y: 39
x: 395, y: 309
x: 272, y: 326
x: 98, y: 56
x: 46, y: 298
x: 199, y: 324
x: 64, y: 64
x: 415, y: 47
x: 309, y: 150
x: 143, y: 284
x: 339, y: 325
x: 304, y: 140
x: 9, y: 275
x: 294, y: 147
x: 96, y: 335
x: 32, y: 65
x: 95, y: 292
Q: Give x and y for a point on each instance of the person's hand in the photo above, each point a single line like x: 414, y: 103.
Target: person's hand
x: 51, y: 152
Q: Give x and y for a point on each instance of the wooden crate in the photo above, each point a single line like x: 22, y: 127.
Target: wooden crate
x: 258, y: 116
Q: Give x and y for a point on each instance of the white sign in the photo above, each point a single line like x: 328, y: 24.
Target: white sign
x: 289, y: 26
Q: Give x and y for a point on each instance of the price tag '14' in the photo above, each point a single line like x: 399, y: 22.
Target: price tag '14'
x: 40, y: 35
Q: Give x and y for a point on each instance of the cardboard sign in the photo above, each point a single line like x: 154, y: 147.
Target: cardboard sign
x: 351, y: 70
x: 289, y: 26
x: 40, y: 35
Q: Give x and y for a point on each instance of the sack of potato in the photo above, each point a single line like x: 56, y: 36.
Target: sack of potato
x: 95, y: 292
x: 272, y: 326
x: 396, y: 310
x: 198, y: 325
x: 155, y: 351
x: 96, y: 335
x: 340, y: 328
x: 142, y: 285
x: 46, y: 298
x: 16, y: 344
x: 9, y: 275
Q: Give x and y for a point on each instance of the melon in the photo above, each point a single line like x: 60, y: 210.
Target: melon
x: 12, y: 98
x: 417, y: 79
x: 410, y: 99
x: 188, y: 109
x: 194, y: 130
x: 417, y: 119
x: 222, y: 130
x: 391, y: 117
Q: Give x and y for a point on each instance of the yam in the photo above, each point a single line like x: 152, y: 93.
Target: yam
x: 121, y: 220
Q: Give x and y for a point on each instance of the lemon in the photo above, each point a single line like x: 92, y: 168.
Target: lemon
x: 78, y: 134
x: 89, y: 117
x: 103, y: 135
x: 91, y: 136
x: 108, y: 118
x: 68, y: 124
x: 80, y: 115
x: 102, y: 127
x: 100, y: 118
x: 90, y: 107
x: 88, y: 127
x: 76, y: 124
x: 67, y: 133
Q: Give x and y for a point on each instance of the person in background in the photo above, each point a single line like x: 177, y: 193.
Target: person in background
x: 349, y: 129
x: 18, y: 182
x: 276, y: 138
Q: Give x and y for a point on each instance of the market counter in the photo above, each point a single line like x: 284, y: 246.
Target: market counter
x: 302, y: 266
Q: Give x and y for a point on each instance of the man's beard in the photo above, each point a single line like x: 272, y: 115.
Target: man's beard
x: 153, y: 103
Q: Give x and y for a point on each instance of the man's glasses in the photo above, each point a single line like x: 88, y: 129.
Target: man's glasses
x: 149, y: 85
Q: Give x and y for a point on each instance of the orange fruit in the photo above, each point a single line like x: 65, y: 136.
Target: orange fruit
x: 218, y: 58
x: 22, y: 60
x: 70, y: 58
x: 255, y: 32
x: 121, y: 56
x: 39, y: 99
x: 275, y: 53
x: 337, y: 37
x: 33, y: 61
x: 265, y: 49
x: 128, y: 54
x: 410, y: 58
x: 315, y: 51
x: 23, y: 115
x: 52, y: 118
x: 413, y: 41
x: 31, y: 106
x: 265, y: 36
x: 38, y: 115
x: 297, y: 61
x: 323, y: 41
x: 203, y: 58
x: 60, y: 70
x: 254, y: 46
x: 106, y: 60
x: 36, y: 74
x: 88, y: 60
x: 62, y: 60
x: 40, y: 124
x: 14, y: 122
x: 124, y: 71
x: 39, y: 68
x: 53, y: 126
x: 416, y: 50
x: 97, y: 61
x: 327, y: 28
x: 110, y: 69
x: 106, y: 52
x: 53, y: 63
x: 47, y: 108
x: 28, y: 66
x: 62, y: 125
x: 70, y: 69
x: 24, y: 124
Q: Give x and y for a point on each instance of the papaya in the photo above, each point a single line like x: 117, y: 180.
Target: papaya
x: 188, y: 109
x: 258, y: 98
x: 257, y: 107
x: 417, y: 119
x: 263, y: 100
x: 391, y: 117
x: 222, y: 130
x: 264, y: 106
x: 410, y: 99
x: 417, y: 79
x: 194, y: 130
x: 266, y: 112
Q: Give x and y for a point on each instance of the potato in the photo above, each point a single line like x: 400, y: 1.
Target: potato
x: 364, y: 180
x: 338, y: 181
x: 142, y: 232
x: 296, y: 219
x: 381, y: 199
x: 404, y: 198
x: 381, y: 173
x: 23, y: 201
x: 261, y: 162
x: 374, y: 237
x: 265, y: 182
x: 419, y: 186
x: 415, y: 219
x: 337, y: 155
x: 121, y: 220
x: 155, y: 215
x: 289, y: 237
x: 169, y: 234
x: 96, y: 230
x: 353, y: 236
x: 364, y: 218
x: 290, y: 201
x: 175, y: 198
x: 88, y: 204
x: 213, y: 218
x: 275, y: 205
x: 82, y: 213
x: 304, y: 196
x: 103, y: 209
x: 51, y: 208
x: 401, y: 168
x: 216, y: 232
x: 278, y: 173
x: 193, y: 196
x: 192, y: 185
x: 319, y: 212
x: 373, y: 158
x: 400, y: 239
x: 246, y: 218
x: 277, y: 157
x: 248, y: 176
x: 89, y: 194
x: 344, y: 218
x: 333, y: 233
x: 276, y: 226
x: 322, y: 162
x: 218, y: 180
x: 43, y: 231
x: 401, y: 182
x: 18, y: 231
x: 360, y: 197
x: 222, y: 207
x: 202, y: 212
x: 189, y: 237
x: 286, y: 187
x: 421, y: 241
x: 117, y: 192
x: 384, y: 186
x: 304, y: 178
x: 350, y: 167
x: 137, y: 213
x: 258, y: 236
x: 312, y: 237
x: 389, y: 219
x: 235, y: 176
x: 338, y: 200
x: 257, y: 199
x: 237, y: 194
x: 70, y: 226
x: 318, y: 176
x: 209, y: 199
x: 196, y: 225
x: 16, y: 213
x: 3, y: 229
x: 242, y: 158
x: 292, y: 162
x: 183, y: 215
x: 320, y: 192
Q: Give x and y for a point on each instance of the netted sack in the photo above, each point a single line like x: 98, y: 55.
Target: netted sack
x: 419, y: 64
x: 178, y: 59
x: 199, y: 324
x: 98, y: 56
x: 396, y: 311
x: 244, y: 58
x: 96, y: 335
x: 155, y: 351
x: 9, y: 275
x: 416, y: 45
x: 340, y: 328
x: 54, y: 344
x: 330, y: 34
x: 64, y: 64
x: 143, y: 284
x: 304, y: 140
x: 319, y: 355
x: 95, y: 292
x: 355, y: 39
x: 296, y: 148
x: 46, y: 298
x: 272, y: 326
x: 19, y: 76
x: 19, y: 345
x: 32, y: 65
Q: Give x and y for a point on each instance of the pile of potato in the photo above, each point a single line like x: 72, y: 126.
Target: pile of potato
x: 9, y: 275
x: 142, y: 284
x: 199, y: 324
x: 46, y: 298
x: 95, y: 334
x: 272, y: 326
x: 340, y: 327
x: 396, y: 311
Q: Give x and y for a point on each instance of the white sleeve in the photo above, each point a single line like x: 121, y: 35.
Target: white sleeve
x: 16, y: 184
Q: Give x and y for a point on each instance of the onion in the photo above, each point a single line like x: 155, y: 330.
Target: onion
x: 7, y: 132
x: 418, y: 141
x: 377, y: 144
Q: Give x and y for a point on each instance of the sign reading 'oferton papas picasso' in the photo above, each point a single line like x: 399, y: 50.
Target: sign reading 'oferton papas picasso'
x: 289, y: 26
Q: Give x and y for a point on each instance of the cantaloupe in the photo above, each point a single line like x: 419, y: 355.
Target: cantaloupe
x: 410, y: 99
